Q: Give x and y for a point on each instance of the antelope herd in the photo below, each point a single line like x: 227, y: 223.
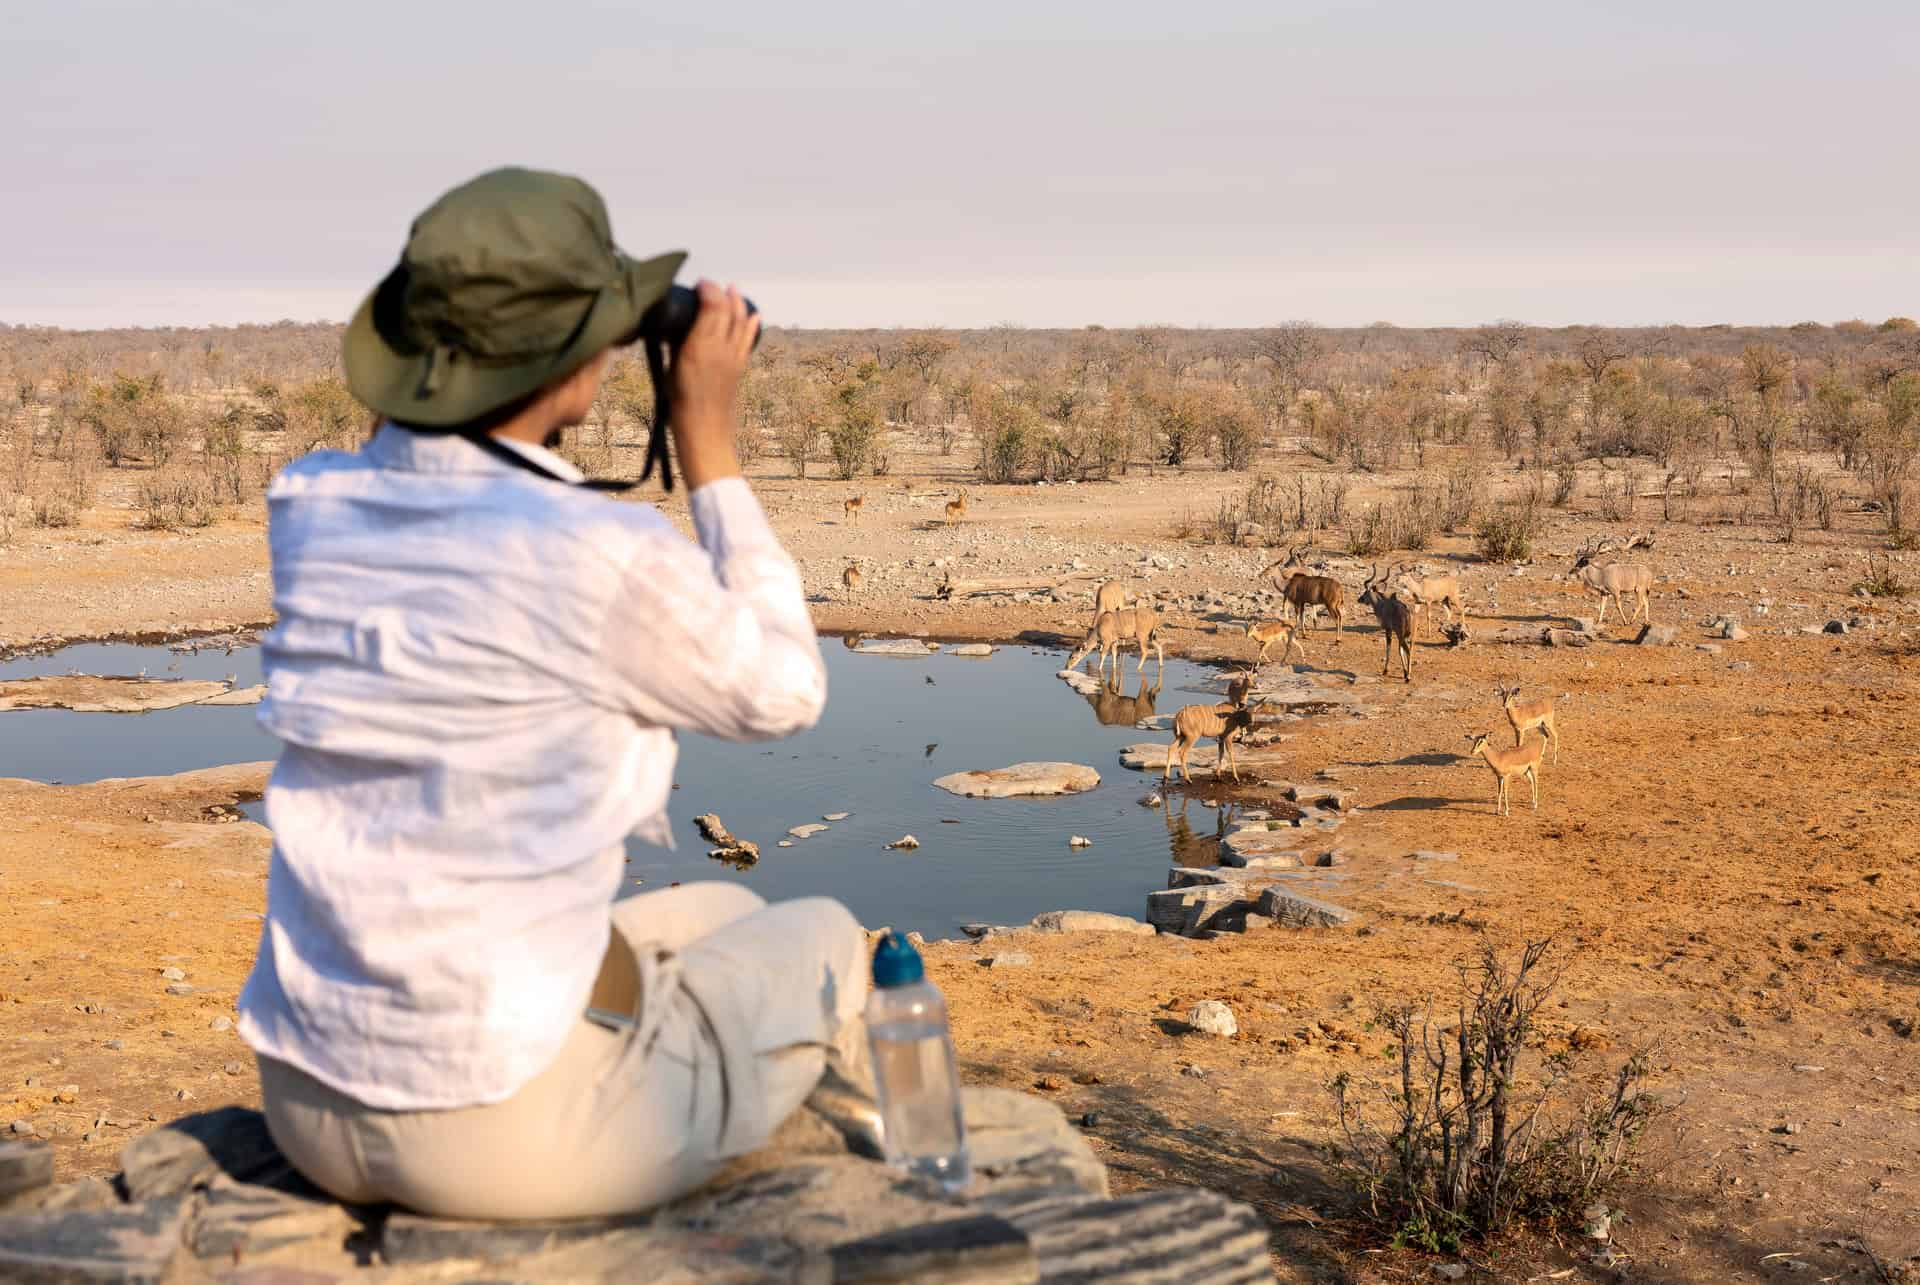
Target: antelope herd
x: 1401, y: 599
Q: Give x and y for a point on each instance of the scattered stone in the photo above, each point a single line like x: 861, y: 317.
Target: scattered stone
x: 1834, y: 627
x: 783, y: 843
x: 1732, y: 632
x: 1194, y: 1072
x: 221, y: 1023
x: 1450, y: 1271
x: 1211, y: 1017
x: 1151, y: 800
x: 1809, y: 1068
x: 1079, y: 841
x: 1585, y: 625
x: 1021, y: 779
x: 173, y: 974
x: 1741, y: 665
x: 1712, y: 649
x: 975, y: 650
x: 1010, y: 959
x: 1335, y: 857
x: 1088, y: 921
x: 1788, y: 1128
x: 1652, y: 635
x: 836, y: 816
x: 1428, y: 855
x: 1552, y: 637
x: 179, y: 988
x: 23, y: 1128
x: 905, y: 841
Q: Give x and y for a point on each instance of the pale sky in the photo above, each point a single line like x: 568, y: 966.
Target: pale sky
x: 971, y: 162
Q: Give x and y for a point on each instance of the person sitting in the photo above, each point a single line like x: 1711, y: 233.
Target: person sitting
x: 477, y: 672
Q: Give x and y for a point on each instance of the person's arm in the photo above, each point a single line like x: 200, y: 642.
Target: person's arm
x: 716, y: 640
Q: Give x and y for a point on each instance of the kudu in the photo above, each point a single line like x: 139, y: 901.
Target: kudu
x: 1395, y: 615
x: 1612, y: 578
x: 1111, y: 628
x: 1428, y: 592
x: 1526, y: 715
x: 1302, y: 591
x: 1224, y: 722
x: 1508, y: 764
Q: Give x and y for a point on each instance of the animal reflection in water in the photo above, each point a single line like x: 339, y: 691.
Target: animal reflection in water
x: 1195, y: 851
x: 1114, y: 708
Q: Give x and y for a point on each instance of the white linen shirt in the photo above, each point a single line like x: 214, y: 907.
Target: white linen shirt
x: 476, y: 673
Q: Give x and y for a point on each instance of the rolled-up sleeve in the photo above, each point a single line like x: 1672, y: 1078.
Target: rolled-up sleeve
x: 716, y: 639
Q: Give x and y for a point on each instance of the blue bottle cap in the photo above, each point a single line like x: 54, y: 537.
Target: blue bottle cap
x: 896, y: 962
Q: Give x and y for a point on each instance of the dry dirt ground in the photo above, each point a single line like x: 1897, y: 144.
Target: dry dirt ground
x: 1728, y: 857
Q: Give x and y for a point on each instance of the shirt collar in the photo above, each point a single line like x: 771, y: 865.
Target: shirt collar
x: 395, y: 447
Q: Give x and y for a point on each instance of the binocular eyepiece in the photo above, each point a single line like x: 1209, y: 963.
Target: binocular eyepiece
x: 671, y: 317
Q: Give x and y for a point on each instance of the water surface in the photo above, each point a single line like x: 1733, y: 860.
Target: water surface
x: 887, y: 733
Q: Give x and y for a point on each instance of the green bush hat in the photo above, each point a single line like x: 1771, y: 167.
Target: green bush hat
x: 507, y: 282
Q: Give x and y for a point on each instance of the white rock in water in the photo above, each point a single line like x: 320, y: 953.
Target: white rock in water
x: 1151, y: 801
x: 836, y: 816
x: 894, y: 647
x: 1211, y: 1017
x: 1020, y: 779
x: 1085, y: 684
x: 973, y: 649
x: 806, y: 831
x: 905, y: 841
x: 1079, y: 841
x: 785, y: 843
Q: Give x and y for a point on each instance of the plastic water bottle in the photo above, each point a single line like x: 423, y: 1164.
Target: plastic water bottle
x: 922, y: 1127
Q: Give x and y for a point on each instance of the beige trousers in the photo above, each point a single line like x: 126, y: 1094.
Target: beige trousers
x: 732, y: 998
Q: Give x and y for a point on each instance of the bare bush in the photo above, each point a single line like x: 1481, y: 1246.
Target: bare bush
x: 1476, y: 1128
x: 1507, y: 534
x: 175, y: 499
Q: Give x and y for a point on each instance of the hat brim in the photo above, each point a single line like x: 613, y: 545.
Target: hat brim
x: 394, y: 381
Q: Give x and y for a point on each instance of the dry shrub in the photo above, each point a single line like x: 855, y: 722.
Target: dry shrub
x: 1477, y: 1126
x: 1507, y: 534
x: 176, y: 499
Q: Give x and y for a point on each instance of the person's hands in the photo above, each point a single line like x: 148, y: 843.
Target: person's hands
x: 706, y: 381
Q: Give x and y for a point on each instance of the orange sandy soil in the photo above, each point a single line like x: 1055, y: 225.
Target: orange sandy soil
x: 1730, y: 860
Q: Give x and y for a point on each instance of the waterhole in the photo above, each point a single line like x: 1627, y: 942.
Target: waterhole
x: 887, y: 733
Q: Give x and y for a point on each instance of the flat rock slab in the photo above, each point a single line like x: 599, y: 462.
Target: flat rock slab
x: 1151, y: 756
x: 239, y: 696
x: 976, y: 651
x: 136, y: 1244
x: 808, y: 830
x: 1257, y: 847
x: 1021, y: 779
x: 1088, y: 921
x: 1085, y: 684
x: 1290, y: 909
x: 806, y: 1208
x: 895, y: 647
x: 90, y: 694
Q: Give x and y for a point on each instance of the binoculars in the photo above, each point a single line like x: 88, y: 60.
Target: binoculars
x: 663, y: 326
